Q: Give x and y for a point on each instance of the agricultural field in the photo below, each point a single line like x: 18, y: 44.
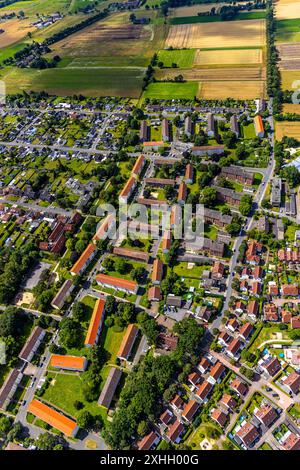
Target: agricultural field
x: 288, y: 129
x: 232, y: 89
x: 229, y: 34
x: 288, y: 31
x: 289, y: 78
x: 183, y: 58
x: 228, y: 57
x: 289, y: 56
x: 243, y: 16
x: 287, y: 9
x: 169, y: 91
x: 14, y: 30
x: 106, y: 82
x: 291, y: 108
x: 218, y: 74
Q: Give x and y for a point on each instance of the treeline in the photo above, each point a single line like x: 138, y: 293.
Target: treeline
x: 14, y: 265
x: 273, y: 74
x: 5, y: 3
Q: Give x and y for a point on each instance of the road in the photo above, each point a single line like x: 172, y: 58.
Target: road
x: 38, y: 208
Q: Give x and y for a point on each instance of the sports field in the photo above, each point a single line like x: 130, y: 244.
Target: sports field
x: 213, y: 35
x: 288, y: 129
x: 228, y: 57
x: 232, y: 89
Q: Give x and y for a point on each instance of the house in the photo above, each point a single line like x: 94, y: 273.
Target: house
x: 273, y: 289
x: 290, y: 441
x: 131, y: 254
x: 247, y: 434
x: 276, y: 192
x: 208, y: 150
x: 219, y: 417
x: 189, y: 174
x: 74, y: 363
x: 117, y: 283
x: 204, y: 391
x: 84, y: 260
x: 9, y: 387
x: 246, y: 331
x: 166, y: 417
x: 144, y: 131
x: 154, y: 294
x: 256, y: 288
x: 252, y: 309
x: 165, y: 130
x: 148, y: 442
x: 157, y: 272
x: 224, y: 339
x: 166, y: 241
x: 232, y: 325
x: 160, y: 182
x: 204, y: 365
x: 204, y: 313
x: 52, y: 417
x: 110, y: 387
x: 189, y: 411
x: 234, y: 348
x: 228, y: 402
x: 259, y: 126
x: 32, y: 344
x: 295, y: 322
x: 234, y: 125
x: 211, y: 127
x: 194, y: 378
x: 270, y: 312
x: 213, y: 248
x: 257, y: 274
x: 188, y: 126
x: 177, y: 403
x: 253, y: 252
x: 128, y: 342
x: 216, y: 373
x: 217, y: 218
x: 228, y: 196
x: 290, y: 290
x: 286, y: 316
x: 218, y: 270
x: 138, y: 166
x: 239, y: 387
x: 105, y: 228
x: 175, y: 432
x: 266, y: 415
x: 153, y: 146
x: 127, y: 190
x: 13, y: 446
x: 63, y: 293
x: 182, y: 193
x: 96, y: 323
x: 236, y: 173
x: 271, y: 366
x: 292, y: 383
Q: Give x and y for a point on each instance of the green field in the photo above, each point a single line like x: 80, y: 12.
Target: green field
x: 169, y: 91
x: 256, y: 15
x: 288, y: 30
x: 66, y: 82
x: 183, y: 58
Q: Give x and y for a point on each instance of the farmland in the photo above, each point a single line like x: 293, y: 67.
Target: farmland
x: 217, y: 74
x: 204, y: 35
x: 291, y: 108
x: 289, y: 129
x: 289, y: 56
x: 287, y: 31
x: 183, y: 58
x: 288, y: 79
x: 14, y: 31
x: 233, y: 89
x: 217, y: 18
x: 168, y: 91
x: 287, y: 9
x: 228, y: 57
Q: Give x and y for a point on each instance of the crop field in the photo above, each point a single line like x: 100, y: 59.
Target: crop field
x: 289, y: 56
x: 228, y: 57
x: 287, y: 9
x: 232, y: 89
x: 291, y: 108
x: 288, y: 31
x: 223, y: 74
x: 193, y: 10
x: 168, y: 91
x: 207, y: 35
x: 288, y: 129
x: 288, y: 79
x: 113, y: 42
x: 243, y: 16
x: 184, y: 58
x: 14, y: 30
x: 90, y: 82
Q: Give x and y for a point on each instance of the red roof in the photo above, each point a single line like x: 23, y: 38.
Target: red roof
x: 95, y: 323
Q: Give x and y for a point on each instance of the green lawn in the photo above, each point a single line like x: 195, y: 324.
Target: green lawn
x: 210, y: 231
x: 248, y: 131
x: 195, y: 273
x: 288, y: 30
x: 169, y: 91
x: 265, y: 335
x: 253, y: 15
x: 184, y: 58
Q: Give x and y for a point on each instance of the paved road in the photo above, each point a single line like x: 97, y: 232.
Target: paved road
x: 37, y: 208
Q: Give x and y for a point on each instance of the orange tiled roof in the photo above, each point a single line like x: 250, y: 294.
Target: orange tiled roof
x: 83, y: 258
x: 95, y: 322
x: 67, y: 362
x: 116, y: 282
x: 52, y: 417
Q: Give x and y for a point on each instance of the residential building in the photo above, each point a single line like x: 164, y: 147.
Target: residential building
x: 110, y: 387
x: 128, y: 342
x: 52, y: 417
x: 117, y: 283
x: 74, y: 363
x: 84, y: 260
x: 96, y: 323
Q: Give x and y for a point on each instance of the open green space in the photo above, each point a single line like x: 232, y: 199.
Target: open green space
x: 288, y: 30
x: 252, y: 15
x: 169, y: 91
x: 183, y: 58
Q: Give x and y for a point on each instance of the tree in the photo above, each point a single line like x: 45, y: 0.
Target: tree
x: 150, y: 330
x: 46, y: 441
x: 138, y: 274
x: 245, y: 205
x: 69, y: 333
x: 208, y: 196
x: 5, y: 424
x: 78, y: 311
x: 292, y: 175
x: 142, y: 428
x: 85, y: 420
